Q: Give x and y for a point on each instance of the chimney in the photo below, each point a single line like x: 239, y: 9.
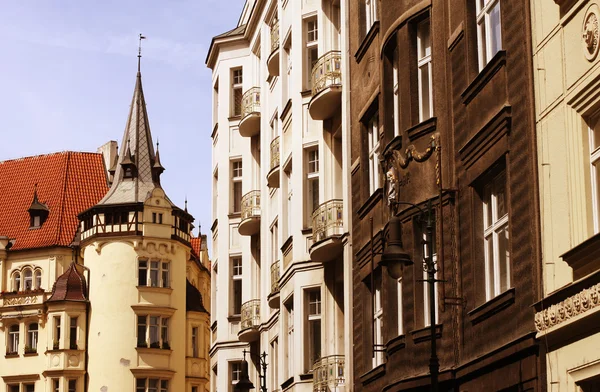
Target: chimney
x: 109, y: 153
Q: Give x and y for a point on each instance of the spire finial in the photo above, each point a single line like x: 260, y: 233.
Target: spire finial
x: 186, y: 203
x: 140, y: 51
x: 157, y: 144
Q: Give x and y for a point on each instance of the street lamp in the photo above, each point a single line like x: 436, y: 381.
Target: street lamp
x: 244, y: 384
x: 394, y: 257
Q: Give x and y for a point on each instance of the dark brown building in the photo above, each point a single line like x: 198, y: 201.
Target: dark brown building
x: 442, y: 102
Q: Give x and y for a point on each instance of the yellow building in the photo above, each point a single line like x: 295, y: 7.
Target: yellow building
x: 567, y: 80
x: 129, y: 281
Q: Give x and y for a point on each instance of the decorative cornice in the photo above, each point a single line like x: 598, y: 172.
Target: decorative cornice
x: 571, y: 307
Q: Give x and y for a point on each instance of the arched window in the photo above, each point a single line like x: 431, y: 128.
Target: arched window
x: 17, y: 281
x: 27, y: 279
x: 37, y: 279
x: 13, y: 339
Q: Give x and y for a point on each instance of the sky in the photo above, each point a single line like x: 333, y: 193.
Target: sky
x: 67, y: 74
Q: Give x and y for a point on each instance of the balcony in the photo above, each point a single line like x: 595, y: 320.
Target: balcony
x: 273, y: 298
x: 250, y: 223
x: 273, y: 59
x: 250, y: 321
x: 328, y: 228
x: 326, y: 86
x: 328, y: 374
x: 273, y: 175
x: 250, y: 122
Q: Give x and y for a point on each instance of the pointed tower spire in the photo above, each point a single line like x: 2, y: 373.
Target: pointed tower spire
x: 140, y: 52
x: 157, y: 167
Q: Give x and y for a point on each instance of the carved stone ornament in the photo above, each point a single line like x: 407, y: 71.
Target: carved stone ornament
x: 590, y: 32
x: 573, y: 306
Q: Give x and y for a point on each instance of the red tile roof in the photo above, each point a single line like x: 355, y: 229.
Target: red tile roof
x: 70, y: 286
x: 196, y: 242
x: 68, y: 183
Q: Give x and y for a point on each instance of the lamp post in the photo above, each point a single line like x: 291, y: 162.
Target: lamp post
x: 394, y: 257
x: 244, y: 384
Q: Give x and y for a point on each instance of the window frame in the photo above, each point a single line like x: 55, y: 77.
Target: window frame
x: 313, y: 185
x: 424, y: 66
x: 311, y: 48
x: 237, y: 85
x: 13, y: 339
x: 148, y: 388
x: 377, y: 320
x: 237, y: 170
x: 313, y: 325
x: 236, y: 279
x: 33, y: 336
x: 146, y: 270
x: 373, y: 146
x: 370, y: 14
x: 483, y: 10
x: 157, y: 322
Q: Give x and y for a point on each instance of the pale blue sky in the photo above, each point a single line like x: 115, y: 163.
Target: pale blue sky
x: 67, y: 73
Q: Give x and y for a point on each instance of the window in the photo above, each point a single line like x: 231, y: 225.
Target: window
x: 13, y: 388
x: 489, y: 35
x: 236, y: 92
x: 151, y: 385
x: 57, y: 322
x: 426, y: 253
x: 72, y: 385
x: 153, y: 331
x: 73, y: 333
x: 29, y: 388
x: 313, y: 328
x: 370, y: 13
x: 155, y: 276
x: 157, y: 217
x: 235, y: 373
x: 27, y: 279
x: 289, y: 307
x: 495, y: 224
x: 37, y: 275
x: 424, y: 70
x: 194, y: 389
x: 195, y: 342
x: 17, y: 281
x: 55, y: 385
x: 236, y: 179
x: 373, y: 135
x: 32, y: 338
x: 312, y: 183
x: 236, y: 284
x: 312, y: 49
x: 396, y: 77
x: 594, y: 136
x: 13, y: 339
x: 377, y: 320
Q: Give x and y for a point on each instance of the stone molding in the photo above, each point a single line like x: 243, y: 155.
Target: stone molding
x: 563, y: 311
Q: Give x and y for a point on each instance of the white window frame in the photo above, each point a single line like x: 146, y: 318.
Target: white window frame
x: 32, y: 335
x: 290, y: 210
x: 27, y: 279
x: 485, y: 34
x: 57, y: 333
x: 370, y: 14
x: 236, y: 276
x: 156, y: 322
x: 595, y: 171
x: 16, y: 281
x: 396, y: 80
x: 377, y: 322
x: 426, y: 309
x: 236, y: 180
x: 312, y: 182
x: 311, y: 37
x: 373, y: 140
x: 491, y: 233
x: 37, y: 279
x: 162, y: 384
x: 13, y: 339
x: 424, y: 69
x: 313, y: 318
x: 160, y: 268
x: 237, y: 79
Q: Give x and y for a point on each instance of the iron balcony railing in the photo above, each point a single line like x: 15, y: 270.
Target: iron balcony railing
x: 275, y: 152
x: 327, y: 220
x: 251, y: 205
x: 275, y: 277
x: 327, y: 71
x: 275, y: 36
x: 328, y: 373
x: 250, y: 317
x: 251, y: 101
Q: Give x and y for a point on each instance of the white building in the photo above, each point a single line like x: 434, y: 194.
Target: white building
x: 281, y: 249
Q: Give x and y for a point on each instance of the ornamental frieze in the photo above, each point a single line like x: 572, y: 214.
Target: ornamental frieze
x: 573, y: 306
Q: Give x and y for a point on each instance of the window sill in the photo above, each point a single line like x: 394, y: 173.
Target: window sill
x: 306, y: 93
x: 235, y: 118
x: 35, y: 354
x: 484, y: 76
x: 421, y: 129
x: 368, y: 205
x: 395, y: 344
x: 366, y: 42
x: 12, y: 355
x: 424, y: 334
x: 234, y: 318
x: 235, y: 215
x: 153, y: 289
x: 154, y: 351
x: 306, y: 376
x: 373, y: 374
x: 287, y: 382
x: 286, y: 109
x: 492, y: 306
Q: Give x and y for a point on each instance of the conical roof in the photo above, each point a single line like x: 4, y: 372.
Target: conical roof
x: 138, y: 151
x: 70, y: 286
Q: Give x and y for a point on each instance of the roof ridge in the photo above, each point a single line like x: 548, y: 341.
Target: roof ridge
x: 47, y: 155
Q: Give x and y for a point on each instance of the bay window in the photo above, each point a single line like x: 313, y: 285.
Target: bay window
x: 153, y: 331
x: 153, y: 273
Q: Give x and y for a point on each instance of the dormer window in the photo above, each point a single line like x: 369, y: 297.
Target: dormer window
x: 38, y: 212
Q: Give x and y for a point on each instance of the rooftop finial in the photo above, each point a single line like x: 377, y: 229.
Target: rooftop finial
x: 157, y: 144
x: 140, y: 51
x: 186, y: 203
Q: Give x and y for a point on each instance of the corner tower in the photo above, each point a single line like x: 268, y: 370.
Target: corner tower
x: 136, y: 244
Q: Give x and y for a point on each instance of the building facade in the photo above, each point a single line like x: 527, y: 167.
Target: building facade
x: 125, y: 310
x: 566, y: 69
x: 441, y: 115
x: 280, y: 205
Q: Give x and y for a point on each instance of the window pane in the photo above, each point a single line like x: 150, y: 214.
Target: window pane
x: 237, y: 196
x: 504, y: 259
x: 315, y: 341
x: 482, y: 45
x: 152, y: 385
x: 154, y: 273
x: 31, y: 388
x: 143, y: 273
x: 140, y: 385
x: 495, y: 27
x: 499, y: 193
x: 164, y: 385
x: 38, y: 279
x: 165, y: 274
x: 424, y: 91
x: 489, y: 260
x: 13, y: 388
x: 424, y: 40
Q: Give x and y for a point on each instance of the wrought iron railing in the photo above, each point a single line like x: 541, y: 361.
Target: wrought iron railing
x: 250, y: 317
x: 275, y: 277
x: 251, y: 205
x: 327, y: 71
x: 327, y: 220
x: 275, y: 36
x: 275, y: 152
x: 251, y: 101
x: 328, y: 373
